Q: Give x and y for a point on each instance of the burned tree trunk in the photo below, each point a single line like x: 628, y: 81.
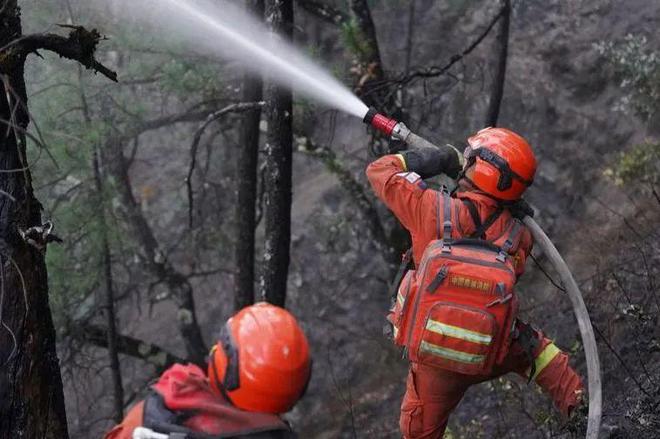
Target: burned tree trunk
x: 115, y: 371
x: 497, y: 90
x: 31, y: 396
x: 247, y: 185
x: 279, y: 150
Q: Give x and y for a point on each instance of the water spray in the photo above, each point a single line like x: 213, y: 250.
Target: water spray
x: 399, y: 131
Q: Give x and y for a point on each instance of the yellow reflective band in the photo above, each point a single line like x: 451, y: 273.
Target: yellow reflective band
x: 450, y: 354
x: 544, y: 358
x: 456, y: 332
x: 403, y: 161
x: 400, y: 299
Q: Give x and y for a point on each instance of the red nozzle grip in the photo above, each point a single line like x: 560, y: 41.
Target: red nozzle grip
x: 383, y: 124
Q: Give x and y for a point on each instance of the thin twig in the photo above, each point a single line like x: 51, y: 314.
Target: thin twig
x: 232, y: 108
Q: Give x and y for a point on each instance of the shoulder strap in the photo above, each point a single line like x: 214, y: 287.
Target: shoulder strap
x: 480, y: 229
x: 511, y: 239
x: 445, y: 220
x: 474, y: 213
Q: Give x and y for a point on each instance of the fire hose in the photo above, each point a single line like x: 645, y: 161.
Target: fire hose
x: 399, y: 131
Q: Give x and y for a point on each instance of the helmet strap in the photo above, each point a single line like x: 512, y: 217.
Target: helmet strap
x: 231, y: 379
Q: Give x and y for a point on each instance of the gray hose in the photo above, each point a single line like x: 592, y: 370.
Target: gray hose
x: 582, y: 315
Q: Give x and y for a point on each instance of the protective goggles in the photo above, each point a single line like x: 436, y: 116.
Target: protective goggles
x: 507, y: 175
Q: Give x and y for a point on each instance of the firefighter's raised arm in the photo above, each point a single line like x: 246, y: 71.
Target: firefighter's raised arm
x: 398, y: 179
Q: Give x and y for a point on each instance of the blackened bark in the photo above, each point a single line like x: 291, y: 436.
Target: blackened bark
x: 279, y: 16
x: 155, y: 260
x: 372, y: 73
x: 31, y: 395
x: 497, y: 90
x: 246, y: 198
x: 115, y: 370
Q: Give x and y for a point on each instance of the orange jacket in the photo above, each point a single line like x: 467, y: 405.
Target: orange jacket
x: 184, y: 388
x: 407, y: 196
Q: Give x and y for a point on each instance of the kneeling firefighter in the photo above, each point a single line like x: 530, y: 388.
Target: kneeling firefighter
x: 455, y: 310
x: 259, y: 368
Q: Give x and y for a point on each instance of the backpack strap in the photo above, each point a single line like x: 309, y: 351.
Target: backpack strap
x: 516, y: 229
x: 474, y: 213
x: 159, y: 418
x: 480, y: 229
x: 445, y: 220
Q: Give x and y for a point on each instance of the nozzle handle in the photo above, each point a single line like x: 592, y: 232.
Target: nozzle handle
x: 403, y: 133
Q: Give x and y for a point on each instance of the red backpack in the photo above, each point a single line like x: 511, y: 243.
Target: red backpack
x: 457, y: 310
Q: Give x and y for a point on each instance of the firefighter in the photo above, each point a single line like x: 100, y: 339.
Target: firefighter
x: 496, y: 168
x: 258, y: 369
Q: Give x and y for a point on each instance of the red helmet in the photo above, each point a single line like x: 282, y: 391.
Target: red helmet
x: 504, y: 163
x: 261, y: 362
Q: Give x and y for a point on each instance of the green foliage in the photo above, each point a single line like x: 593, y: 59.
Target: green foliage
x: 355, y: 41
x: 641, y: 164
x: 638, y: 68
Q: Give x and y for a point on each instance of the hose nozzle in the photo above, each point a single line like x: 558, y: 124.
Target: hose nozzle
x: 380, y: 122
x: 394, y: 129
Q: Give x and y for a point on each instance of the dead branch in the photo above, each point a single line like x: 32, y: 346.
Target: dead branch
x: 155, y: 355
x: 232, y: 108
x: 80, y: 45
x: 156, y: 261
x: 435, y: 71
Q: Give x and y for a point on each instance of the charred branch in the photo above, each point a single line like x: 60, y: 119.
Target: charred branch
x: 435, y: 71
x: 80, y: 45
x: 150, y: 353
x: 233, y: 108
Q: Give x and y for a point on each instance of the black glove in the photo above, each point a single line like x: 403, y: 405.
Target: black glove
x: 429, y: 162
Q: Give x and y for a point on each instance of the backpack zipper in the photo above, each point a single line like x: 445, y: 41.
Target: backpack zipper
x: 439, y: 278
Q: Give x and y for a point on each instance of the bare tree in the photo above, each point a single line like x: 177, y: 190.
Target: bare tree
x: 279, y: 152
x: 497, y: 90
x: 117, y: 387
x: 31, y: 396
x: 246, y: 179
x: 155, y: 259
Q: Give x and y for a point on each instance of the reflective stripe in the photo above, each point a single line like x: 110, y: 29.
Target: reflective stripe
x: 402, y: 159
x: 395, y: 330
x: 456, y: 332
x: 450, y: 354
x: 544, y: 358
x: 400, y: 299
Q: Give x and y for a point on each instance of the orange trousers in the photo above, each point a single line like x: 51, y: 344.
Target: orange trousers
x: 433, y: 393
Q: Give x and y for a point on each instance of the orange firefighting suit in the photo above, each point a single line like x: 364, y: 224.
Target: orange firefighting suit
x: 432, y: 393
x: 183, y: 392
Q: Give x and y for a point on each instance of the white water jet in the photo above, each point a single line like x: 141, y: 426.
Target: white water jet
x: 223, y: 29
